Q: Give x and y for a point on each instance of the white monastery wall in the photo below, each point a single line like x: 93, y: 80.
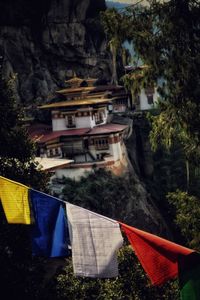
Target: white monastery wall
x: 144, y: 105
x: 59, y: 124
x: 116, y: 151
x: 84, y: 122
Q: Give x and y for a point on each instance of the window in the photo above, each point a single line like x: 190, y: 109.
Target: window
x: 137, y: 102
x: 98, y: 118
x: 98, y: 157
x: 50, y: 152
x: 149, y: 92
x: 70, y: 121
x: 101, y: 144
x: 150, y: 99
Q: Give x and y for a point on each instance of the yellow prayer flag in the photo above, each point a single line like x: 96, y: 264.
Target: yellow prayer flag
x: 15, y: 200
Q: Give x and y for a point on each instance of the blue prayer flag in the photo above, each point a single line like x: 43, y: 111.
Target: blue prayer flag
x: 50, y: 232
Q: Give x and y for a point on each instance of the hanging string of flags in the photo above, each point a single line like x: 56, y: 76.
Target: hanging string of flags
x: 94, y: 239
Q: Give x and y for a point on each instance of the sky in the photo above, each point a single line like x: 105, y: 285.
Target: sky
x: 124, y: 1
x: 129, y: 2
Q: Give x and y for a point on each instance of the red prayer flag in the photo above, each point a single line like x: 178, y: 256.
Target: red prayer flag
x: 159, y: 257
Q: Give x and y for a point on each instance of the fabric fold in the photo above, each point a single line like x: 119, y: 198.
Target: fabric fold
x: 95, y: 240
x: 15, y: 201
x: 50, y: 232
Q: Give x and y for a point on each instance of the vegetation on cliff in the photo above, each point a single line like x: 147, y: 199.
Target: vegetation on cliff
x: 18, y: 270
x: 166, y: 39
x: 131, y: 284
x: 156, y: 32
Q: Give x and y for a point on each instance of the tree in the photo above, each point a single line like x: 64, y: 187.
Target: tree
x: 104, y: 193
x: 132, y: 283
x: 115, y: 27
x: 187, y: 212
x: 136, y: 80
x: 19, y: 271
x: 169, y: 43
x: 117, y: 197
x: 17, y: 150
x: 166, y: 37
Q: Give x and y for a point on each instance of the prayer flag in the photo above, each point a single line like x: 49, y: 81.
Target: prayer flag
x: 189, y: 276
x: 159, y: 257
x: 49, y: 233
x: 15, y: 201
x: 95, y: 240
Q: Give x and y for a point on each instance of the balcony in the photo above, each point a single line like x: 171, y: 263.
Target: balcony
x: 73, y: 150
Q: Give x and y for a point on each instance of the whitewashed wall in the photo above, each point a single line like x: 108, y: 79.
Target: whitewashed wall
x: 144, y: 105
x: 85, y: 122
x: 116, y: 151
x: 59, y: 124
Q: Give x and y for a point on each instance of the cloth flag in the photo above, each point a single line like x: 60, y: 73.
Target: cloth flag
x: 159, y: 257
x: 95, y: 240
x: 15, y: 201
x: 189, y: 277
x: 49, y: 233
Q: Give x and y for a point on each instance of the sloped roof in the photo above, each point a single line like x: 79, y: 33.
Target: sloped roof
x: 90, y: 89
x: 43, y: 136
x: 107, y: 128
x: 79, y: 102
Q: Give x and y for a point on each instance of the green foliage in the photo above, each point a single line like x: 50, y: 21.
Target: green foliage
x: 187, y: 216
x: 19, y: 272
x: 17, y: 150
x: 116, y: 27
x: 104, y: 193
x: 112, y: 196
x: 176, y: 23
x: 169, y: 43
x: 166, y: 37
x: 131, y: 284
x: 11, y: 135
x: 136, y: 80
x: 167, y: 131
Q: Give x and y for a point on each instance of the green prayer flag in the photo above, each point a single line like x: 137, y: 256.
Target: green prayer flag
x: 189, y: 278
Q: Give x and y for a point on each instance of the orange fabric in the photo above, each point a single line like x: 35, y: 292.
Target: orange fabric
x: 159, y: 257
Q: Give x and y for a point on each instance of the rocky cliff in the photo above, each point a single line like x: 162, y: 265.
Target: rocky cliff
x: 148, y: 210
x: 45, y: 41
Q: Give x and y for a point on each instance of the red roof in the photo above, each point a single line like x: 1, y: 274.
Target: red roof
x: 107, y: 128
x: 44, y: 134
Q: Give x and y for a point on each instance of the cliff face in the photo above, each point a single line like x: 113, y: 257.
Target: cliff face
x: 145, y: 207
x: 45, y: 41
x: 138, y: 147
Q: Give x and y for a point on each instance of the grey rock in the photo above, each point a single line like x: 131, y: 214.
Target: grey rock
x: 45, y: 41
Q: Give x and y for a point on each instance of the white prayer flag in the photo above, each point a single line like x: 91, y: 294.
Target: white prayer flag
x: 95, y: 240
